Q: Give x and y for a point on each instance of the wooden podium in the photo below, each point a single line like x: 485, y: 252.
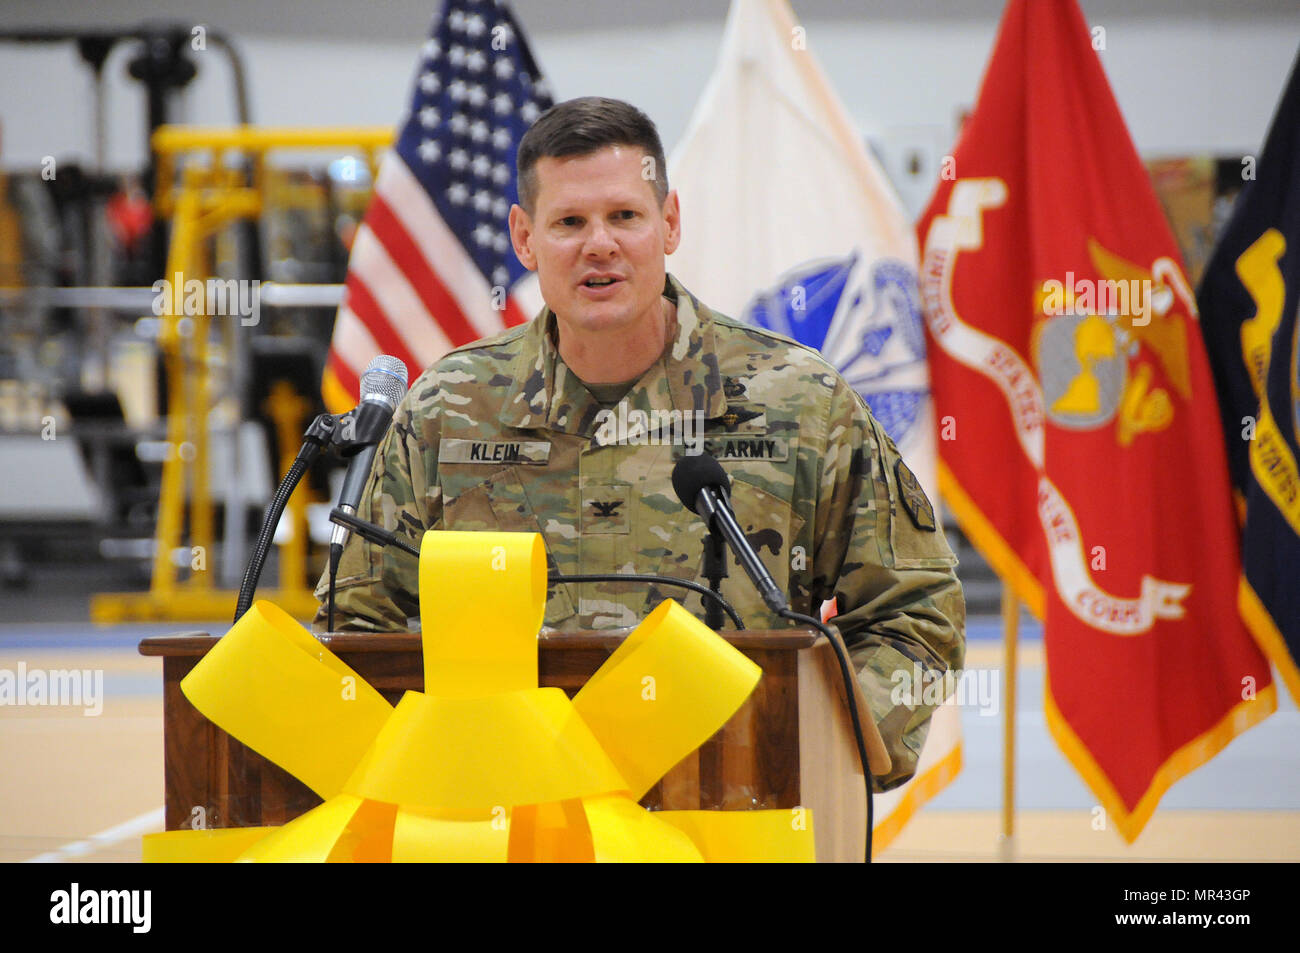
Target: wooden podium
x: 790, y: 745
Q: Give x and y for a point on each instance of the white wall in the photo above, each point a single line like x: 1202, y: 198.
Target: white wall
x: 1192, y: 76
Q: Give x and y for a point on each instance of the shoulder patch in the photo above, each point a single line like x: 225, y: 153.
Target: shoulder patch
x: 914, y: 499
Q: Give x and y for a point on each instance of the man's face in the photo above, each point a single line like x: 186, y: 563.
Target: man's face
x: 596, y: 218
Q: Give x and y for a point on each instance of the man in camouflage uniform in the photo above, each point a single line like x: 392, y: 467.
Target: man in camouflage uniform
x: 570, y: 426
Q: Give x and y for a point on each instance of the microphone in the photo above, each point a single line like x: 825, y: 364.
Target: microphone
x: 702, y: 486
x: 382, y: 385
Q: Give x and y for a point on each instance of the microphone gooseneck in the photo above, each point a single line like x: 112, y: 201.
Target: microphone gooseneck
x: 383, y: 385
x: 702, y: 486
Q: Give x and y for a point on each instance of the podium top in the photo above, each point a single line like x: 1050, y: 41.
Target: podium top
x: 184, y: 644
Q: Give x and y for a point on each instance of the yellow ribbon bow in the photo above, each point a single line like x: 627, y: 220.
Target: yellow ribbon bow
x: 483, y: 765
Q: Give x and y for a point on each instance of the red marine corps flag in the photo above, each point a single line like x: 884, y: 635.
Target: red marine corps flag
x: 1079, y: 446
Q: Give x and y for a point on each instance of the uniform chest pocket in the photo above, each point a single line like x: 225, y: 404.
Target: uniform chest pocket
x: 771, y: 525
x: 769, y: 522
x: 498, y: 503
x: 492, y: 503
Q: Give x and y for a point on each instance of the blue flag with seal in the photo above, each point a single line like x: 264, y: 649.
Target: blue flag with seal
x: 1248, y: 301
x: 865, y: 318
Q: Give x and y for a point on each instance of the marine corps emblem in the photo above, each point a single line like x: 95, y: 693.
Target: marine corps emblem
x: 1113, y: 348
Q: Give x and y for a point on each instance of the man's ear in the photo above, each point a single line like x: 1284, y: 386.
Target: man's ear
x: 521, y: 233
x: 673, y: 223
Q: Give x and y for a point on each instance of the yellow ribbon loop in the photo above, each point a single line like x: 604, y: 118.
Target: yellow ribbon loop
x: 483, y: 765
x: 745, y: 837
x: 622, y: 831
x: 670, y: 685
x: 219, y: 846
x: 273, y: 686
x: 482, y: 602
x: 311, y: 838
x: 473, y: 754
x: 420, y: 837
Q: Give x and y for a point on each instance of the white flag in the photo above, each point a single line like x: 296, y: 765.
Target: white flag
x: 789, y: 223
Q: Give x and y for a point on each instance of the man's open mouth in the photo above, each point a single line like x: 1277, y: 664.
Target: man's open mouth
x: 599, y: 282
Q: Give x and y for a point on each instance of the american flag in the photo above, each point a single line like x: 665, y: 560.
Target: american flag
x: 434, y: 242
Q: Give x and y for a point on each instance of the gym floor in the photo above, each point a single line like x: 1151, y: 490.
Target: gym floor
x: 79, y: 786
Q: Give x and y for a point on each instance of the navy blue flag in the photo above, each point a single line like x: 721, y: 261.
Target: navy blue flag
x: 1248, y: 301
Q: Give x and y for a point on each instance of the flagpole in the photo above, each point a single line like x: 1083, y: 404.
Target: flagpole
x: 1010, y: 626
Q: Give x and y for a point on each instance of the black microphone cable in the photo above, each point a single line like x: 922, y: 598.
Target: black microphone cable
x: 703, y: 486
x: 846, y: 671
x: 319, y: 433
x: 382, y: 537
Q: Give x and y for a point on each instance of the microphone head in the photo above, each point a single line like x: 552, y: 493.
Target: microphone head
x: 693, y: 473
x: 384, y: 379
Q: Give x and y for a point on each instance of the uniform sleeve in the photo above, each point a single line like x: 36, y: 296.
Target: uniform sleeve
x: 884, y: 557
x: 377, y: 589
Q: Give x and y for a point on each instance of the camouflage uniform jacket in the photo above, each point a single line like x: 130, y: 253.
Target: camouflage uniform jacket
x: 501, y: 435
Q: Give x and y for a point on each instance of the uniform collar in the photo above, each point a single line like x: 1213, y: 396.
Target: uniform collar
x: 545, y: 394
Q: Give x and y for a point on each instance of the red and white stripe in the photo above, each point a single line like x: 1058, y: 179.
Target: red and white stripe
x: 412, y: 291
